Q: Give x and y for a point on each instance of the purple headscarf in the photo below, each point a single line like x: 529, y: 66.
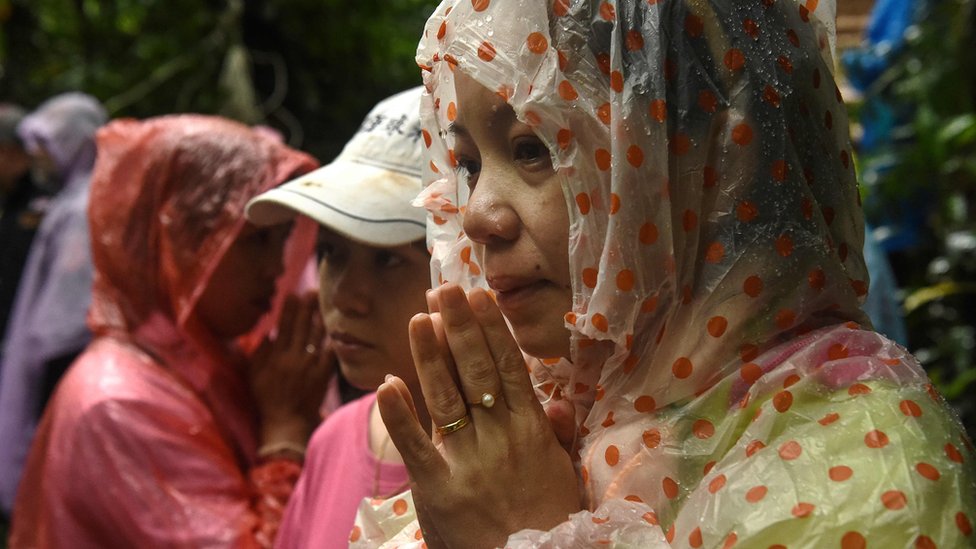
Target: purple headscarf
x: 48, y: 319
x: 65, y: 125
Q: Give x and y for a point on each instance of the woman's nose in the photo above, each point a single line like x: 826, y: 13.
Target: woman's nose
x: 352, y: 291
x: 489, y: 216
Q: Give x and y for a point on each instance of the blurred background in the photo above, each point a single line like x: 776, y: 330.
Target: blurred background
x: 311, y: 69
x: 308, y: 68
x: 908, y: 71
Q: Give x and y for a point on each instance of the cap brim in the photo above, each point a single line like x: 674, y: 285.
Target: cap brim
x: 364, y: 203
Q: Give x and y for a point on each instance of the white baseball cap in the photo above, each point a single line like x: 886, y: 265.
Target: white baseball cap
x: 365, y: 193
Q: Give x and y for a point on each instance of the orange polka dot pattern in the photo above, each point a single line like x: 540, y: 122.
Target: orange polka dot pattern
x: 709, y: 224
x: 691, y: 142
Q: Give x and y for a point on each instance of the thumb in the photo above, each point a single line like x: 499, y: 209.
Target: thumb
x: 562, y: 418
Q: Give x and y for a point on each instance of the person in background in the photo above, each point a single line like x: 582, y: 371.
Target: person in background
x: 155, y: 437
x: 883, y: 305
x: 661, y: 198
x: 21, y: 209
x: 46, y: 329
x: 373, y: 276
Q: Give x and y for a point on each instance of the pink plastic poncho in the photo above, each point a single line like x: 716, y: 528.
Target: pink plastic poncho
x: 730, y: 391
x: 150, y: 439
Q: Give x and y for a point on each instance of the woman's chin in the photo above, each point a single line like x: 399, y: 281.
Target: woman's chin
x: 540, y: 343
x: 359, y: 377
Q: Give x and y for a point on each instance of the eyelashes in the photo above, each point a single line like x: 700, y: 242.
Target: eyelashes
x: 467, y: 172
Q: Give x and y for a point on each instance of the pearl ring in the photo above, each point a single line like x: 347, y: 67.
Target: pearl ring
x: 487, y: 400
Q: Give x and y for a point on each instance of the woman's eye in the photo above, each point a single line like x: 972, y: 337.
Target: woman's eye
x: 270, y: 236
x: 262, y: 237
x: 325, y: 250
x: 467, y: 167
x: 467, y: 171
x: 389, y: 260
x: 531, y: 151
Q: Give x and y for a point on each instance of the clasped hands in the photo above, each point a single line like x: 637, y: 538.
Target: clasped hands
x: 494, y: 465
x: 289, y: 375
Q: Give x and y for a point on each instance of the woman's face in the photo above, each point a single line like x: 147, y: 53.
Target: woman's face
x: 517, y: 212
x: 367, y: 296
x: 242, y: 286
x: 44, y: 170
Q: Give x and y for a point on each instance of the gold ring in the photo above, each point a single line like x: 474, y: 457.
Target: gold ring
x: 453, y: 426
x: 487, y: 400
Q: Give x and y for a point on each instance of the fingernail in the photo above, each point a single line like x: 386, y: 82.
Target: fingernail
x: 453, y: 298
x: 478, y: 299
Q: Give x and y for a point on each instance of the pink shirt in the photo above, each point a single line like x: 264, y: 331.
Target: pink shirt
x: 340, y: 470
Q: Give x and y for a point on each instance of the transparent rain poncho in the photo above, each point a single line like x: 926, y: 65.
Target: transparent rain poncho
x: 151, y: 438
x: 731, y: 392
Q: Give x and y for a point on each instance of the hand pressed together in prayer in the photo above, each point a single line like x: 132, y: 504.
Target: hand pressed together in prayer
x: 289, y: 374
x: 502, y: 470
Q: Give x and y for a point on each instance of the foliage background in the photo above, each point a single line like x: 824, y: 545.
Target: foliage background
x: 309, y: 68
x: 919, y: 178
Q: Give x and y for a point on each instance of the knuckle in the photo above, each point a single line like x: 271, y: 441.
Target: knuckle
x: 481, y: 374
x: 425, y: 453
x: 512, y: 360
x: 445, y: 400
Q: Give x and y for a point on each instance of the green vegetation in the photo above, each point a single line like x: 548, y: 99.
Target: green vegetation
x: 926, y: 177
x: 309, y: 68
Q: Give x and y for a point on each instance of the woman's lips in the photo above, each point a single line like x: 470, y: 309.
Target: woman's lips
x: 513, y: 294
x: 346, y: 345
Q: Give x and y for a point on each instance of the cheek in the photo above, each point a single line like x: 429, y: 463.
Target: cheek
x: 325, y: 289
x: 408, y: 300
x: 550, y: 223
x: 401, y: 308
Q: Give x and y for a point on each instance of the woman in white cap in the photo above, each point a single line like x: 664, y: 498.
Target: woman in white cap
x: 373, y: 276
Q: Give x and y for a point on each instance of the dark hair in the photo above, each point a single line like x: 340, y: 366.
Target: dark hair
x: 10, y: 117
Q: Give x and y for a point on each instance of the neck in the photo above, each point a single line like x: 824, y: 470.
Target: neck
x: 379, y: 438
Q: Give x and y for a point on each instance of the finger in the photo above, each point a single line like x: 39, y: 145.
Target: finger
x: 287, y: 319
x: 302, y: 323
x: 444, y: 403
x: 562, y: 417
x: 404, y: 391
x: 516, y: 386
x: 424, y: 462
x: 438, y: 324
x: 475, y: 364
x: 431, y: 296
x: 316, y: 333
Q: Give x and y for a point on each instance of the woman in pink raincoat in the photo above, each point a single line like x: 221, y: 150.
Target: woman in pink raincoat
x: 153, y: 438
x: 660, y: 196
